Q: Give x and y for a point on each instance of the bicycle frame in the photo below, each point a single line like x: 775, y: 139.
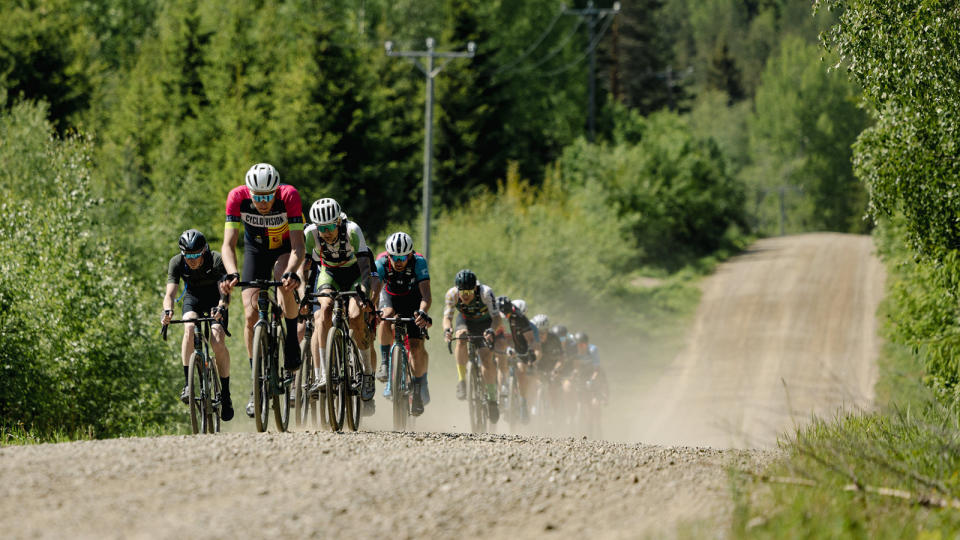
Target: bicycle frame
x: 269, y: 331
x: 403, y: 372
x: 476, y: 388
x: 208, y: 403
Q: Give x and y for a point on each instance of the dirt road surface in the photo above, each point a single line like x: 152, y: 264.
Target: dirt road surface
x: 784, y: 330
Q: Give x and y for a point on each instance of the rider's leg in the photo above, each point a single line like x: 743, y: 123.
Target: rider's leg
x: 360, y: 336
x: 323, y: 319
x: 249, y: 297
x: 219, y: 345
x: 385, y: 335
x: 460, y: 353
x: 420, y: 357
x: 489, y: 373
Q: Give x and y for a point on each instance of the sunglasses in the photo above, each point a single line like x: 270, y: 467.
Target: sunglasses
x: 262, y: 198
x: 399, y: 258
x: 326, y: 228
x: 192, y: 255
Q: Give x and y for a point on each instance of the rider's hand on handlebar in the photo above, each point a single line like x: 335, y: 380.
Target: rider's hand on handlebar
x: 488, y: 335
x: 228, y: 282
x: 448, y: 334
x: 421, y: 319
x: 166, y: 316
x: 217, y: 312
x: 290, y: 281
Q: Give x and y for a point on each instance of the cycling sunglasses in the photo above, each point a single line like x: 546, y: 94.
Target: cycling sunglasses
x: 262, y: 198
x: 192, y: 255
x: 399, y: 258
x: 326, y: 228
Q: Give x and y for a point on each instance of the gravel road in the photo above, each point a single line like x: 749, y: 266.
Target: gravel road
x: 785, y: 330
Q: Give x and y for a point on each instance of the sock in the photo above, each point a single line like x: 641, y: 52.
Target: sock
x: 492, y: 392
x: 225, y: 385
x: 385, y: 353
x: 461, y: 372
x: 186, y: 375
x: 365, y: 359
x: 323, y: 357
x: 317, y: 373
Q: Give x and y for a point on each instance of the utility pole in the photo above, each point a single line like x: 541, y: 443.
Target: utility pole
x: 431, y: 71
x: 592, y: 16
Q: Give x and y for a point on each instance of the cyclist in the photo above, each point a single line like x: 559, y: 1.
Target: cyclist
x: 525, y: 343
x: 339, y: 260
x: 476, y: 314
x: 592, y: 375
x: 272, y: 218
x: 201, y: 270
x: 406, y: 292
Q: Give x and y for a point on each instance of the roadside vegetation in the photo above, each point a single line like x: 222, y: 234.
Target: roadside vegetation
x: 129, y: 122
x: 892, y: 473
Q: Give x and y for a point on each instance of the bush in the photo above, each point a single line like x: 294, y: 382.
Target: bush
x: 76, y: 351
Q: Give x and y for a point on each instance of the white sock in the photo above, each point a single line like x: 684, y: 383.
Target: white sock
x: 365, y: 359
x: 323, y: 360
x: 317, y: 372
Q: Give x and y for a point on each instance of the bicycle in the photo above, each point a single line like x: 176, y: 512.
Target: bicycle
x: 401, y: 371
x: 476, y: 388
x: 204, y: 405
x: 512, y: 405
x: 305, y: 405
x: 269, y: 387
x: 344, y: 372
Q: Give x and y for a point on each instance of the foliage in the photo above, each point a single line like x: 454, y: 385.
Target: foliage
x: 668, y: 185
x: 801, y: 132
x: 76, y: 352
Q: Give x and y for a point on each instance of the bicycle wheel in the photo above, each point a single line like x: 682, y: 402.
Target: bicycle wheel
x: 398, y: 387
x: 336, y: 386
x: 214, y: 394
x: 261, y: 382
x: 513, y: 402
x: 193, y: 385
x: 476, y: 397
x: 354, y: 373
x: 305, y: 409
x: 281, y: 397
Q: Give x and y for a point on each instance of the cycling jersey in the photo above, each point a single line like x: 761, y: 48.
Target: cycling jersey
x: 519, y: 325
x: 344, y: 249
x: 200, y: 281
x: 400, y: 283
x: 270, y: 231
x: 479, y: 307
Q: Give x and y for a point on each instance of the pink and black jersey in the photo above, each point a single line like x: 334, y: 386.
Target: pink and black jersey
x: 268, y: 231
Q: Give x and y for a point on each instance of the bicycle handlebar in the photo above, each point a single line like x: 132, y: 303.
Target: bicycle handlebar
x: 477, y: 340
x: 259, y: 284
x: 164, y: 327
x: 407, y: 320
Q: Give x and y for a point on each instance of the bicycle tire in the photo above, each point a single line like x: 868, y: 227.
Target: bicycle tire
x: 354, y: 373
x: 301, y: 387
x: 398, y: 387
x: 476, y: 398
x: 193, y: 378
x: 280, y: 399
x: 214, y: 397
x: 335, y: 395
x: 260, y: 380
x: 513, y: 402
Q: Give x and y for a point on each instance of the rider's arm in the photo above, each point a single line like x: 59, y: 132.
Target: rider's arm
x: 168, y: 297
x: 361, y: 250
x: 228, y: 251
x: 449, y: 306
x: 425, y: 298
x: 296, y: 250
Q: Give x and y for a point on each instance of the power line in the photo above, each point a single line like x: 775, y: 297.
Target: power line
x: 533, y: 47
x: 590, y: 14
x: 553, y: 52
x: 590, y: 48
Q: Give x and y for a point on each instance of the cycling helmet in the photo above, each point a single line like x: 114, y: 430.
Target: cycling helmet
x: 263, y: 178
x: 192, y: 240
x: 504, y: 305
x: 581, y: 337
x: 541, y: 321
x: 559, y: 330
x: 324, y: 211
x: 521, y: 306
x: 466, y: 279
x: 399, y: 243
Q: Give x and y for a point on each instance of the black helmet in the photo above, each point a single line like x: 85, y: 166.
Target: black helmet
x: 559, y: 330
x: 466, y: 279
x: 504, y: 305
x: 581, y: 337
x: 192, y: 240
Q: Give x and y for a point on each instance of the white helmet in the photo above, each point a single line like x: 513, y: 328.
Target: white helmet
x: 399, y: 243
x: 521, y: 306
x: 324, y: 211
x: 541, y: 321
x: 263, y: 178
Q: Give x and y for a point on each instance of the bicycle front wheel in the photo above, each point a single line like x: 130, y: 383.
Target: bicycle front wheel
x: 398, y: 387
x: 281, y: 395
x: 261, y: 380
x: 213, y: 395
x: 336, y: 384
x: 476, y: 398
x: 193, y: 385
x: 513, y: 403
x: 354, y: 373
x: 304, y: 407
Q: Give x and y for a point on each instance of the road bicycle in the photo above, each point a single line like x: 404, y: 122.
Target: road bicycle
x: 270, y: 384
x: 401, y: 372
x: 203, y: 382
x: 476, y: 388
x: 344, y: 371
x: 512, y: 405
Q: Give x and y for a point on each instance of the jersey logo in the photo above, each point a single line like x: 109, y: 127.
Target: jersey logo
x: 257, y: 220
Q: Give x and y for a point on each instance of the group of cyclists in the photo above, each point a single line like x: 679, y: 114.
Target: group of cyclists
x: 330, y: 252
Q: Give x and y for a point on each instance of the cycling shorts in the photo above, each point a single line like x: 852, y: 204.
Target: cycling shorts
x: 259, y: 264
x: 404, y: 306
x: 203, y: 303
x: 474, y: 327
